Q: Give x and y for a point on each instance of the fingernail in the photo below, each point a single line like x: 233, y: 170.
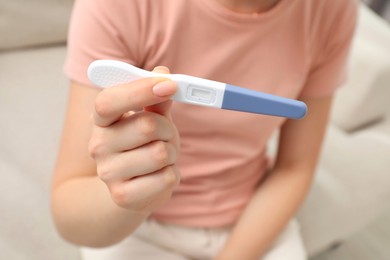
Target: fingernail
x: 161, y: 69
x: 164, y: 88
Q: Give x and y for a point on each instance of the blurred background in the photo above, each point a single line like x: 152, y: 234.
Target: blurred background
x: 345, y: 217
x: 373, y: 241
x: 381, y: 7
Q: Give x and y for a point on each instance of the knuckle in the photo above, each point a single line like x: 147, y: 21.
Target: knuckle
x: 104, y: 172
x: 171, y: 132
x: 96, y: 146
x: 102, y: 104
x: 119, y: 195
x: 171, y: 178
x: 147, y: 125
x: 160, y: 153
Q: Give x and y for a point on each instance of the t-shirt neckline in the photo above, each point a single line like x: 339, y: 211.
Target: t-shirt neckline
x: 229, y: 14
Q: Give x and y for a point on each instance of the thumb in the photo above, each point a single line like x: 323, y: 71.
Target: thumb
x: 162, y: 108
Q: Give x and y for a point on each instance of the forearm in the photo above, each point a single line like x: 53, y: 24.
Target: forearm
x: 273, y: 205
x: 86, y: 215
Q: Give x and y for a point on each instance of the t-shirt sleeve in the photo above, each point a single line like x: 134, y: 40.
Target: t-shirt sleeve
x: 329, y: 63
x: 100, y: 29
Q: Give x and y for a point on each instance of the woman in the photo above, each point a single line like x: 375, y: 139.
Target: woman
x: 117, y: 181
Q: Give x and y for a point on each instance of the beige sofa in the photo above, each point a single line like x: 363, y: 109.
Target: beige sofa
x: 352, y: 187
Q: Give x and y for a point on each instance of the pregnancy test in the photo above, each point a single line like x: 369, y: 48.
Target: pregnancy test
x: 199, y: 91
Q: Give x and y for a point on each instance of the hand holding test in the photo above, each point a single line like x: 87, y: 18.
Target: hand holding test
x: 199, y: 91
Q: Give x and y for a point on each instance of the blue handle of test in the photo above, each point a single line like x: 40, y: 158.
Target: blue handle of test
x: 247, y: 100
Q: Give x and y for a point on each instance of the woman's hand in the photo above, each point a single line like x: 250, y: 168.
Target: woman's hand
x: 135, y: 143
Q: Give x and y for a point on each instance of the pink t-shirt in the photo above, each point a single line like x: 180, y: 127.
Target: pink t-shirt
x: 297, y: 49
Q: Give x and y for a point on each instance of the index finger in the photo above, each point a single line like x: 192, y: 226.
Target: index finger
x: 113, y: 102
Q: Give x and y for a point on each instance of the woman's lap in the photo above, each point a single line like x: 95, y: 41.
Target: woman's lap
x: 153, y: 240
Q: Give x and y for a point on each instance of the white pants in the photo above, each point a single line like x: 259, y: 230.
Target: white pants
x: 156, y: 241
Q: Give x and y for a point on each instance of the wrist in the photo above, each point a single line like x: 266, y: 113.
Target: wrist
x: 232, y: 254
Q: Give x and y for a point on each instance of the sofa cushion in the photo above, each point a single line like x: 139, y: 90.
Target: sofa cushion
x: 365, y: 96
x: 32, y: 104
x: 351, y: 188
x: 34, y: 22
